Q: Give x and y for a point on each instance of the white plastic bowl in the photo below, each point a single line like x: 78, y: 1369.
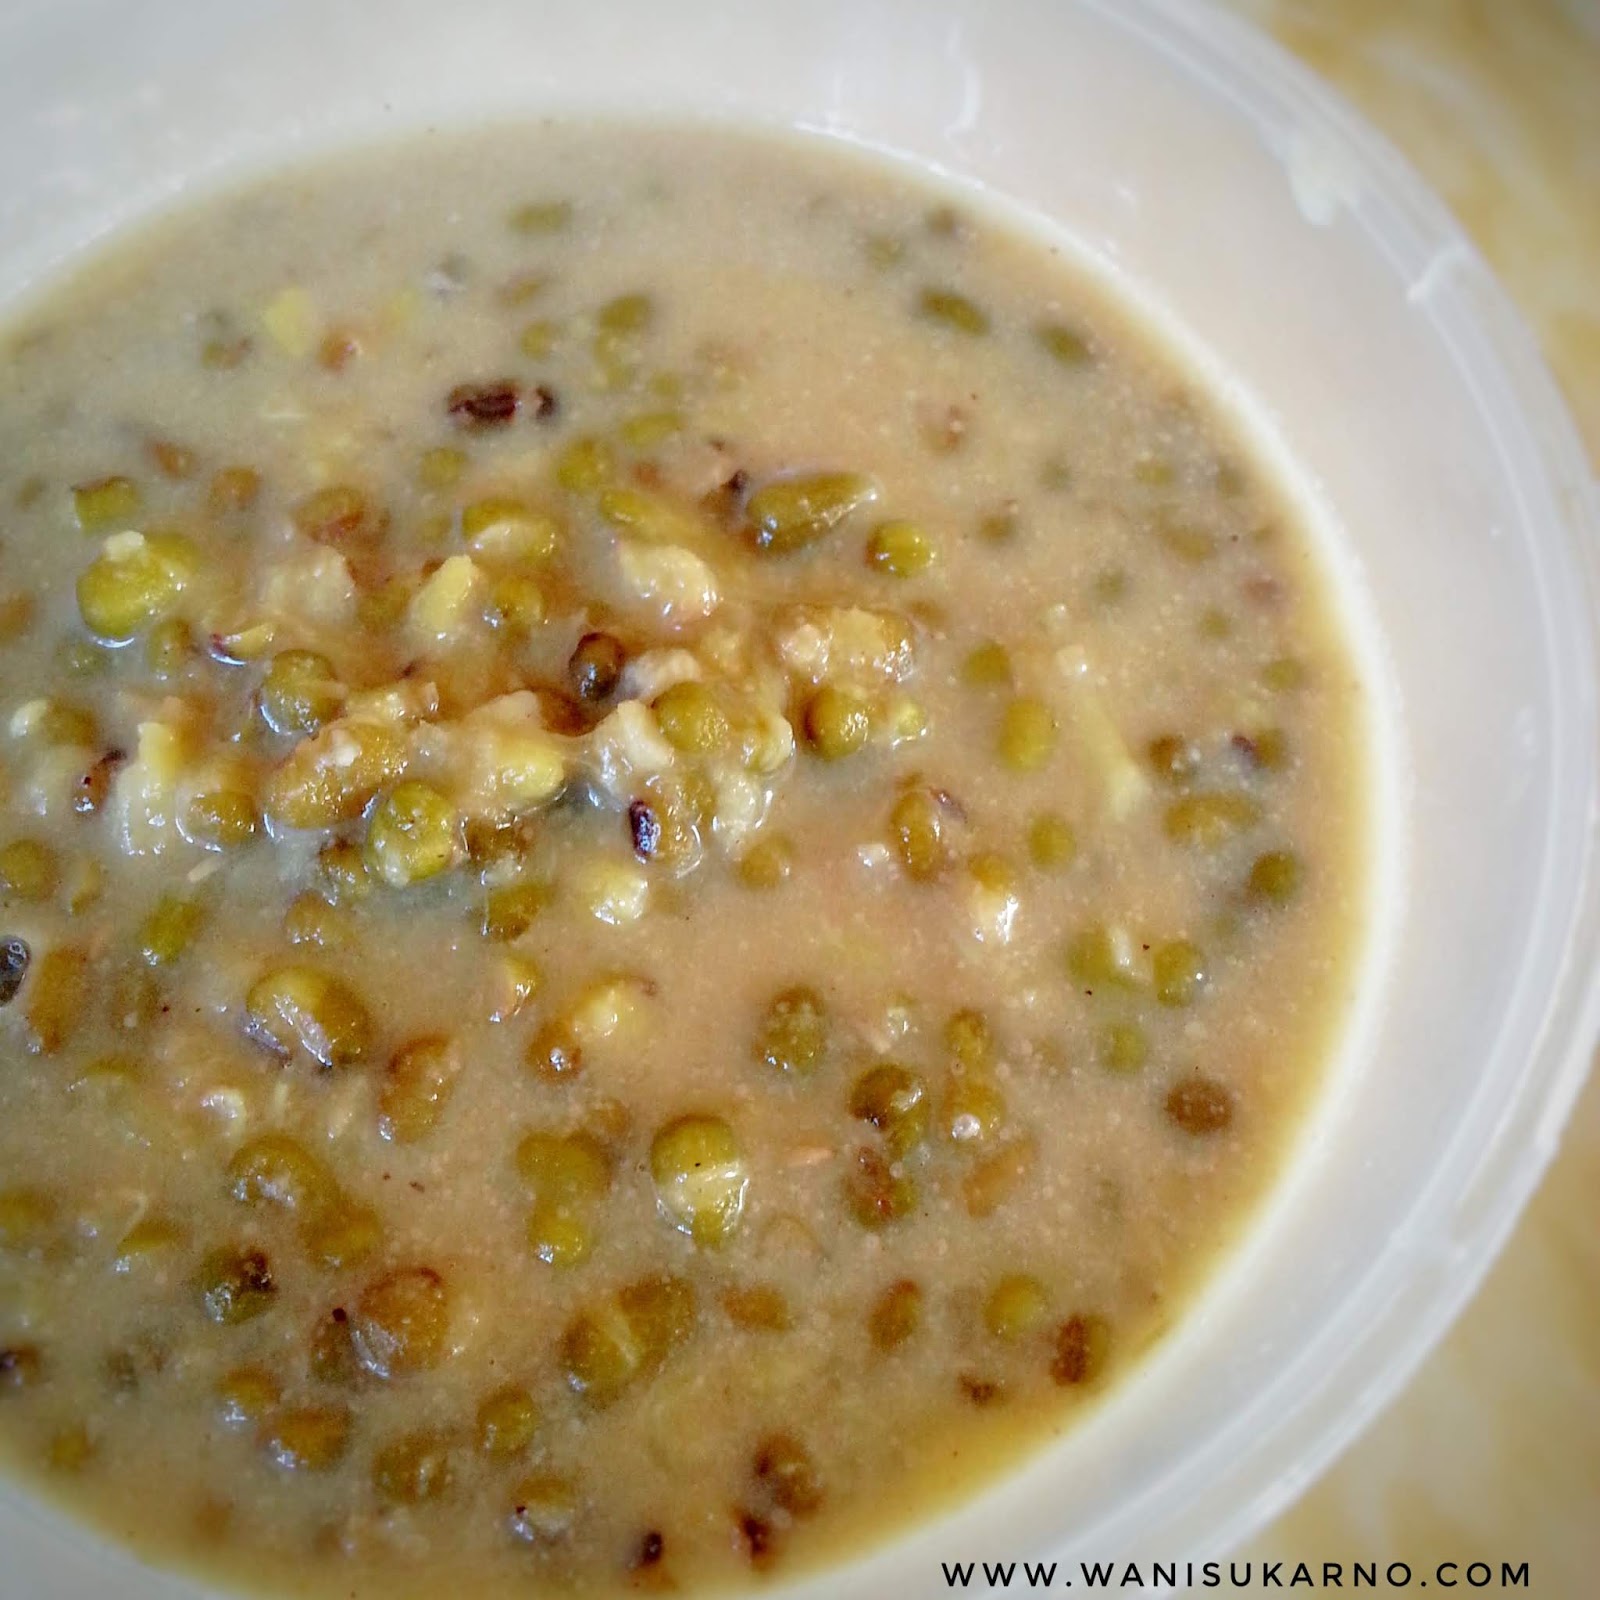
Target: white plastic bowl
x: 1364, y: 341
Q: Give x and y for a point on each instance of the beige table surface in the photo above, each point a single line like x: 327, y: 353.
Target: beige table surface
x: 1493, y: 1452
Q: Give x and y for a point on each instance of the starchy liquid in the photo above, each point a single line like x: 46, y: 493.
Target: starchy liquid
x: 680, y: 833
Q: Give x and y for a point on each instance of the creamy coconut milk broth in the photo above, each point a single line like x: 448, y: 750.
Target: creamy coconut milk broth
x: 679, y: 834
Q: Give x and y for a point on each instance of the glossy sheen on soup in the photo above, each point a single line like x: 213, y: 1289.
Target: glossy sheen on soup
x: 679, y: 834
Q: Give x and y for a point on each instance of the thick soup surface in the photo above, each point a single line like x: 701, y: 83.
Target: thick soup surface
x: 678, y: 836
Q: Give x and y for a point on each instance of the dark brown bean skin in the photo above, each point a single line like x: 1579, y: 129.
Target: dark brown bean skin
x: 94, y: 787
x: 1080, y: 1350
x: 595, y: 667
x: 645, y: 826
x: 652, y: 1547
x: 1247, y: 747
x: 757, y: 1535
x: 14, y: 959
x: 1200, y: 1105
x: 484, y: 405
x: 546, y: 404
x: 980, y: 1391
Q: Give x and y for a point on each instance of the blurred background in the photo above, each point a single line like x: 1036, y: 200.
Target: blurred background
x: 1493, y: 1452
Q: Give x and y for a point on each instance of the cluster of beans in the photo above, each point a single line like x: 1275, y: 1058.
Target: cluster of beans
x: 391, y: 831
